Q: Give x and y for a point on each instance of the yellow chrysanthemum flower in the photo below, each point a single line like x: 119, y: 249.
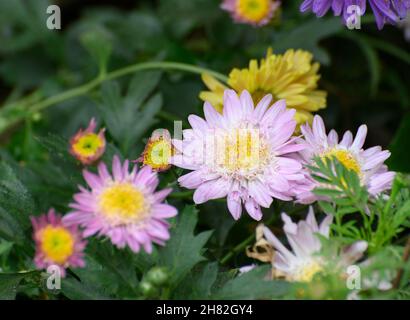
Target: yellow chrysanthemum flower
x: 291, y: 76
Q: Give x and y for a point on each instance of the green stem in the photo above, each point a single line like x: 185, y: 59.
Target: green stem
x: 241, y: 246
x: 182, y: 195
x: 87, y: 87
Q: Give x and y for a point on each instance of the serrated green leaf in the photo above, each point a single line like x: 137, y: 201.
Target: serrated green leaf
x: 252, y: 285
x: 183, y: 250
x: 197, y: 285
x: 9, y: 283
x: 127, y: 118
x: 16, y: 205
x: 98, y: 43
x: 76, y: 290
x: 118, y: 262
x: 56, y: 145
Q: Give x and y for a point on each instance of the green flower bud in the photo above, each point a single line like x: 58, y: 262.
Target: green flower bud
x: 158, y: 276
x: 148, y: 289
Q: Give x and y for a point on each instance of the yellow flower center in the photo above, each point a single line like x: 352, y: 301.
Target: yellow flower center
x: 307, y: 272
x: 88, y: 145
x: 346, y: 158
x: 158, y: 153
x: 241, y: 152
x: 122, y: 203
x: 57, y: 244
x: 253, y: 10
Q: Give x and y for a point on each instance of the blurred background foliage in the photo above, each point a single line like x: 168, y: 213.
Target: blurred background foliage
x: 366, y: 73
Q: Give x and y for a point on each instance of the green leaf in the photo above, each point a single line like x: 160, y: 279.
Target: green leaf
x: 197, y: 285
x: 371, y: 56
x: 76, y: 290
x: 144, y: 261
x: 183, y: 250
x: 127, y: 118
x: 327, y: 207
x: 16, y: 205
x: 98, y: 43
x: 400, y: 147
x: 347, y: 210
x: 308, y: 35
x: 118, y: 263
x: 389, y: 48
x: 327, y: 192
x: 97, y: 278
x: 252, y: 285
x: 9, y: 283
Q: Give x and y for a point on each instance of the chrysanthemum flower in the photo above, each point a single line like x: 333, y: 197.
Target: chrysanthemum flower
x: 158, y: 151
x: 385, y: 11
x: 123, y: 206
x: 368, y: 164
x: 291, y: 76
x: 56, y: 243
x: 86, y: 145
x: 305, y: 260
x: 243, y: 154
x: 253, y: 12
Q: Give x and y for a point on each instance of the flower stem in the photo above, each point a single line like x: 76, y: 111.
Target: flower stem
x: 87, y: 87
x: 241, y: 246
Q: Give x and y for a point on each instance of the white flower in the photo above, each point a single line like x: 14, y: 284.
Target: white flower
x: 304, y: 261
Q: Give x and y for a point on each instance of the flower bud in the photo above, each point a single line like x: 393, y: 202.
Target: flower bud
x: 88, y: 146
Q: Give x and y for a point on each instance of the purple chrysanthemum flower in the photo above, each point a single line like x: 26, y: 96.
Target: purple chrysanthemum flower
x: 368, y: 164
x: 244, y: 154
x: 56, y: 243
x: 385, y: 11
x: 123, y: 206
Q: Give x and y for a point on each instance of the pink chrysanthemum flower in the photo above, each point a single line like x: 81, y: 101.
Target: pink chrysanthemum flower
x: 253, y: 12
x: 56, y: 243
x: 243, y: 154
x: 123, y: 206
x: 88, y: 146
x: 368, y: 164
